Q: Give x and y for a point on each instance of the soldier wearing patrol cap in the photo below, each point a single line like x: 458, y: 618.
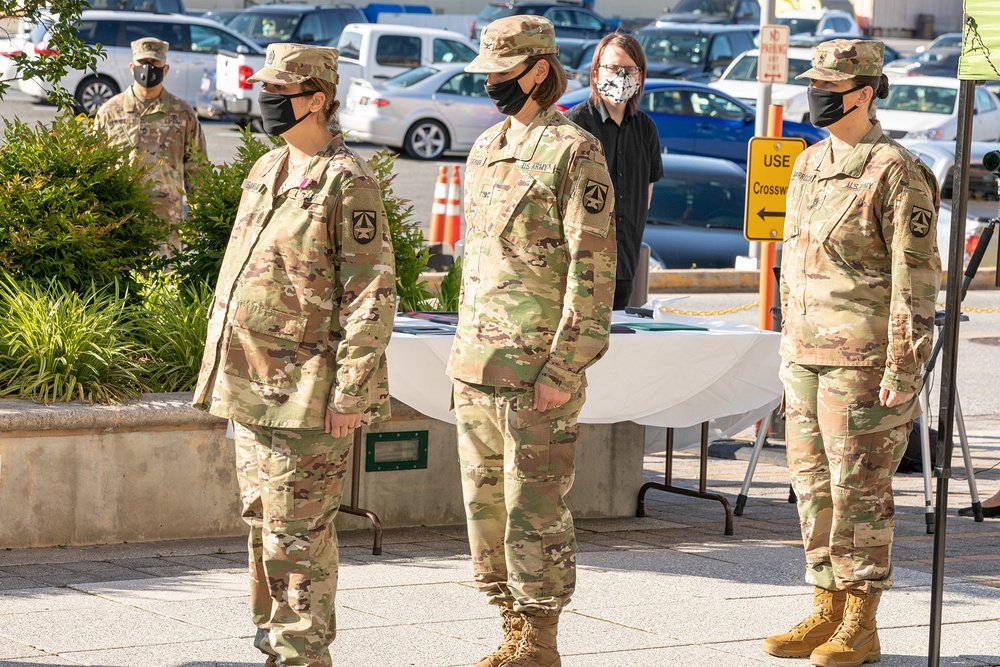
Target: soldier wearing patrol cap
x: 534, y: 313
x: 161, y: 130
x: 859, y: 275
x: 295, y: 352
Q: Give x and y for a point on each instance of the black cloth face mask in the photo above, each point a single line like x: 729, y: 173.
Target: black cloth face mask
x: 508, y: 96
x: 277, y: 114
x: 826, y: 107
x: 148, y: 75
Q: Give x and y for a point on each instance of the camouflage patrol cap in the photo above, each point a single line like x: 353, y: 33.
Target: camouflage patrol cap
x: 510, y: 41
x: 843, y: 59
x: 149, y: 48
x: 294, y: 63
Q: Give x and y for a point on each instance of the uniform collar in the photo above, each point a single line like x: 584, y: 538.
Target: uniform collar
x: 524, y: 149
x: 854, y: 165
x: 133, y: 103
x: 315, y: 172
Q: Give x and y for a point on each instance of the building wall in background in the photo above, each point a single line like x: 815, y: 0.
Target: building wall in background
x: 902, y: 18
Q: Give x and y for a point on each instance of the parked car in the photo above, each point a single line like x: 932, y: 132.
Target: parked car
x: 933, y: 62
x: 692, y: 52
x: 926, y: 107
x: 696, y: 214
x: 946, y: 41
x: 16, y: 43
x: 939, y: 156
x: 425, y: 111
x: 744, y: 12
x: 576, y: 56
x: 568, y: 18
x: 693, y: 119
x: 156, y: 6
x: 194, y: 44
x: 823, y: 23
x: 320, y: 25
x: 740, y: 81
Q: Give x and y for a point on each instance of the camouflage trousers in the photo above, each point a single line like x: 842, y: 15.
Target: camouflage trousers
x: 518, y: 464
x: 171, y: 209
x: 843, y: 449
x: 291, y: 482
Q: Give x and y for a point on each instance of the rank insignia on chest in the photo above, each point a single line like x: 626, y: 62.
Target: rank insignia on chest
x: 920, y: 221
x: 363, y: 226
x: 595, y: 195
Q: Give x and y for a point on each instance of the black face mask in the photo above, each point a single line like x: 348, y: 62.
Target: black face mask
x: 148, y: 75
x: 826, y: 107
x: 508, y: 96
x: 277, y: 114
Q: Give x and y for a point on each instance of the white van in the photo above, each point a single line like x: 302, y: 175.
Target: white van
x: 194, y: 44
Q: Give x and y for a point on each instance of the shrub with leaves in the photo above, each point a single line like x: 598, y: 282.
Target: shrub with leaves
x: 451, y: 286
x: 64, y: 51
x: 213, y: 204
x: 60, y: 345
x: 73, y: 208
x: 171, y: 322
x: 407, y: 238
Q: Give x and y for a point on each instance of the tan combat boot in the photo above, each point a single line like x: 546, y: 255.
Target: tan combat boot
x: 856, y: 640
x: 813, y: 630
x: 538, y: 644
x: 513, y: 623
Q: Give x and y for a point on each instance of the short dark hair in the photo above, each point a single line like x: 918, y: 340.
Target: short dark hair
x: 554, y: 85
x: 630, y: 45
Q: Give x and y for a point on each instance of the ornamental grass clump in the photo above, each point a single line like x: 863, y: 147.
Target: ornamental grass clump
x: 57, y: 344
x: 73, y: 207
x: 171, y: 322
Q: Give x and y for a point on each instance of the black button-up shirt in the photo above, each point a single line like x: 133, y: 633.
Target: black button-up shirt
x: 633, y: 154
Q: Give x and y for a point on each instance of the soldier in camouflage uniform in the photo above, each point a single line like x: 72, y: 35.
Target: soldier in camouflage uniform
x: 534, y: 313
x: 295, y: 353
x: 161, y: 129
x: 859, y: 275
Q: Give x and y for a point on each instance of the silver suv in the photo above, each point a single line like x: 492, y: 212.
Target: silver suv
x: 194, y: 44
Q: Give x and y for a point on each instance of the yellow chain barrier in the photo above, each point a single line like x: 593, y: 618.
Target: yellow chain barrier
x: 707, y: 313
x: 970, y: 309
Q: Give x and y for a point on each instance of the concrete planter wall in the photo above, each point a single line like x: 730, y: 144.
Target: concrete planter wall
x: 156, y: 469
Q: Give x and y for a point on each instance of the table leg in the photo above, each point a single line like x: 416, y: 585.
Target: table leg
x: 668, y: 487
x: 356, y: 490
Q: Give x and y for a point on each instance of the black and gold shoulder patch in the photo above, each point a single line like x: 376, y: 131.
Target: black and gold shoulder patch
x: 920, y: 221
x: 595, y: 196
x: 363, y: 226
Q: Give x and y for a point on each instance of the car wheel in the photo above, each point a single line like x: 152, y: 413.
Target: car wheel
x: 95, y: 91
x: 426, y: 140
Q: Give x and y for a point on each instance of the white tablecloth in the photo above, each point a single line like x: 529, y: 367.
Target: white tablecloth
x: 727, y: 375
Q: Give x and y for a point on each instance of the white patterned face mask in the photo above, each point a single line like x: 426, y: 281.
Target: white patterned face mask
x: 619, y: 87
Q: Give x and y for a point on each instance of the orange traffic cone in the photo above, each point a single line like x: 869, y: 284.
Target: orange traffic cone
x: 453, y: 219
x: 439, y: 209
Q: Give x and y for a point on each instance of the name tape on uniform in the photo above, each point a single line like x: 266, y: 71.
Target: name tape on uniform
x: 769, y: 171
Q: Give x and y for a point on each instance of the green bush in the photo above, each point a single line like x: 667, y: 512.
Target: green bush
x: 60, y: 345
x: 451, y: 286
x: 213, y: 204
x: 171, y: 322
x: 73, y: 208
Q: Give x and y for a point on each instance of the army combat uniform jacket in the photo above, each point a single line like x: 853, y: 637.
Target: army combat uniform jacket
x: 860, y: 269
x: 539, y: 266
x: 166, y: 134
x: 304, y: 305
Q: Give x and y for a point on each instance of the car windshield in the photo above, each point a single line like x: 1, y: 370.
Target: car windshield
x: 926, y: 99
x: 935, y: 57
x: 410, y: 77
x: 698, y: 199
x: 722, y: 8
x: 666, y: 47
x: 946, y: 42
x: 799, y: 26
x: 745, y: 69
x: 275, y: 27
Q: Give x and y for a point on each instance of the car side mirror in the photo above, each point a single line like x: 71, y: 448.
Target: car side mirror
x: 242, y: 48
x: 749, y: 118
x: 307, y: 39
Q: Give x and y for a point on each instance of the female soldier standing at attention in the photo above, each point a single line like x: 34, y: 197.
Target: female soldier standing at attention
x: 295, y: 355
x: 859, y: 275
x: 535, y: 312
